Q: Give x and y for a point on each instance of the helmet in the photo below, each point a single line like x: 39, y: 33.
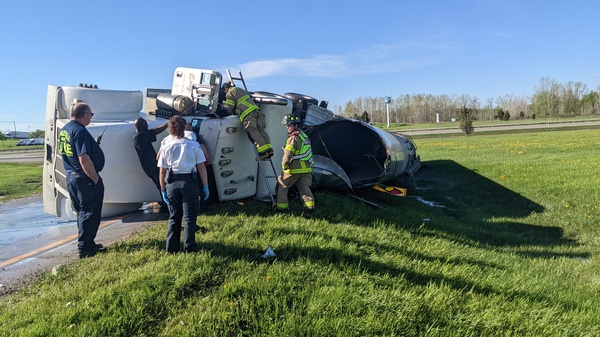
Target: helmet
x: 291, y: 119
x: 227, y: 85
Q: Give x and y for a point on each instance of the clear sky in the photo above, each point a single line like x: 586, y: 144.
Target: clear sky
x: 331, y: 50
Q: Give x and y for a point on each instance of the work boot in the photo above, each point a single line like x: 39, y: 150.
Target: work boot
x: 93, y: 252
x: 282, y: 211
x: 264, y: 155
x: 308, y: 213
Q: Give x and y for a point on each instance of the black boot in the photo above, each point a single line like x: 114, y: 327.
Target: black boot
x: 308, y: 213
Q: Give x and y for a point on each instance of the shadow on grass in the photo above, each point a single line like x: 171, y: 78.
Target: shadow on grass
x: 468, y: 203
x: 460, y: 203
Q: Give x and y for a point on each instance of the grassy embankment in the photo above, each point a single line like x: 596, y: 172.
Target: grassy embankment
x: 510, y: 249
x: 11, y: 144
x: 19, y: 180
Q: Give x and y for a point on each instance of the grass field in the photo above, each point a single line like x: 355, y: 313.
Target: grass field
x: 498, y: 236
x: 11, y: 144
x: 19, y: 180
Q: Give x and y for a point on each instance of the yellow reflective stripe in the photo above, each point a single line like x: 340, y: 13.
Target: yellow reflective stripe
x: 305, y: 151
x: 249, y: 105
x: 245, y: 113
x: 299, y: 170
x: 264, y: 147
x: 282, y: 206
x: 289, y: 148
x: 309, y: 204
x: 229, y: 102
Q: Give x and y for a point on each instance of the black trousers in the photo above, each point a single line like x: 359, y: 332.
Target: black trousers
x: 87, y: 199
x: 183, y: 194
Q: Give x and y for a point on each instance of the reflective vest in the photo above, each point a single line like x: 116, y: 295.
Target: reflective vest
x: 301, y: 159
x: 239, y: 101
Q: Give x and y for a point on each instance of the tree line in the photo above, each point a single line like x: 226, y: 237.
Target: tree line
x: 550, y: 99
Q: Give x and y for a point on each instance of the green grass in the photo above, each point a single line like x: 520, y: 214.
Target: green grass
x: 11, y: 144
x: 510, y: 249
x: 19, y: 180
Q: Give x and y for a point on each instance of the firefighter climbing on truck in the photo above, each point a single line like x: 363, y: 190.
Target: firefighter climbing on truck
x: 239, y: 102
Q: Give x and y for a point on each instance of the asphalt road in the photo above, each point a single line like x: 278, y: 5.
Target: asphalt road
x: 33, y: 247
x: 21, y: 156
x: 499, y: 128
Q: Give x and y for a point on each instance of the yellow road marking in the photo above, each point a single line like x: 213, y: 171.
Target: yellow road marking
x: 50, y: 246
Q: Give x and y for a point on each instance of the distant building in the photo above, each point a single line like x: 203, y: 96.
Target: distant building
x: 17, y: 134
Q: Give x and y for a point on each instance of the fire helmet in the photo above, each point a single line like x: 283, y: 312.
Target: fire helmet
x: 291, y: 119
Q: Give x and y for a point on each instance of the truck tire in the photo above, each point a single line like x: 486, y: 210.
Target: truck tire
x: 295, y: 98
x: 300, y: 103
x: 268, y: 98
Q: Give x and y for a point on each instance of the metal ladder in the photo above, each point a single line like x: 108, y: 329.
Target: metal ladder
x: 260, y: 161
x: 263, y: 171
x: 241, y: 78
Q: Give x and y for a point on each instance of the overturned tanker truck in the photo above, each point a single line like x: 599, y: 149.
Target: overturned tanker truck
x: 347, y: 153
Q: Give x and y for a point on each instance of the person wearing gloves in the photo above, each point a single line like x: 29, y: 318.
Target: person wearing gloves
x: 180, y: 163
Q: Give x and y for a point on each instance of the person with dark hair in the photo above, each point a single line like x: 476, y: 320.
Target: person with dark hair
x: 238, y: 101
x: 181, y: 161
x: 191, y: 135
x: 142, y: 141
x: 83, y: 160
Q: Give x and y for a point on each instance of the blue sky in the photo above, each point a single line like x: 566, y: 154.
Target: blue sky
x: 331, y: 50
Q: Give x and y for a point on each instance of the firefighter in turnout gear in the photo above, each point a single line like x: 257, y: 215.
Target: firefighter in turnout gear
x: 238, y: 101
x: 296, y: 167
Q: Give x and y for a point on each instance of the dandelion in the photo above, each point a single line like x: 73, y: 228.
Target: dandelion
x: 269, y: 277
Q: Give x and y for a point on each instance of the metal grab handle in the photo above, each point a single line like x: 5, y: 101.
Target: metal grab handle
x: 249, y: 178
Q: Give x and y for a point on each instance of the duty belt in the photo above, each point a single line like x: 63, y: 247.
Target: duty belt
x: 183, y: 176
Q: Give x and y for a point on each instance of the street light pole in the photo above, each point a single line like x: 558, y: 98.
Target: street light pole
x: 388, y: 99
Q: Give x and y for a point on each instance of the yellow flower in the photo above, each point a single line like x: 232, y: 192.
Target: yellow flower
x: 269, y: 278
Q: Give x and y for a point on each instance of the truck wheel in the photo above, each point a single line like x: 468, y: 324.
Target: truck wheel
x: 295, y: 98
x: 267, y: 94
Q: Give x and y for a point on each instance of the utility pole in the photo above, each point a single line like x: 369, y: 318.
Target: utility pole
x: 14, y: 126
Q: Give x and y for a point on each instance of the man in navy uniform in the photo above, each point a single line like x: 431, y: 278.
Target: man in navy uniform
x: 83, y: 159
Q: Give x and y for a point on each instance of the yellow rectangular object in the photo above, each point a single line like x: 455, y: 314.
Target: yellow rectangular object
x: 393, y: 190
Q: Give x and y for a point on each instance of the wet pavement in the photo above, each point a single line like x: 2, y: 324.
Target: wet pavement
x: 24, y: 227
x: 32, y: 242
